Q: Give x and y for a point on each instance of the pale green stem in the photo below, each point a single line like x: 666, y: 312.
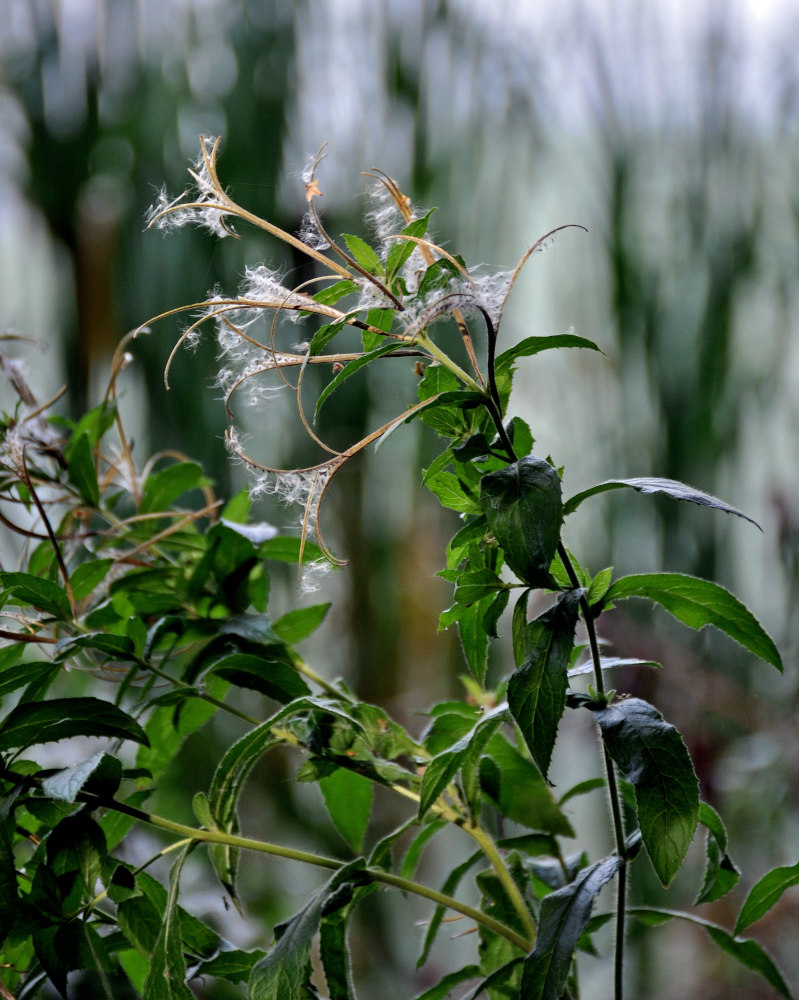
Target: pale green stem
x: 427, y: 344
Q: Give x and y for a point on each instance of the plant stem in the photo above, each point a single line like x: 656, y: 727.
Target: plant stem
x: 318, y: 860
x: 489, y: 848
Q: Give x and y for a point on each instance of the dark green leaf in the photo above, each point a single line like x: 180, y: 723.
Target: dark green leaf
x: 698, y: 603
x: 721, y: 873
x: 42, y: 594
x: 162, y: 488
x: 451, y: 883
x: 534, y: 345
x: 749, y: 953
x: 523, y: 507
x: 283, y: 973
x: 325, y: 334
x: 537, y: 690
x: 296, y: 625
x: 443, y: 767
x: 17, y: 676
x: 9, y: 893
x: 82, y: 472
x: 334, y: 953
x: 517, y: 787
x: 166, y: 979
x: 116, y: 646
x: 348, y: 797
x: 581, y: 788
x: 417, y: 845
x: 363, y: 253
x: 273, y: 677
x: 564, y: 916
x: 401, y: 250
x: 672, y: 488
x: 61, y: 718
x: 765, y: 894
x: 233, y: 966
x: 651, y: 755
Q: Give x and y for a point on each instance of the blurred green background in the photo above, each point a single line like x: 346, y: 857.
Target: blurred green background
x: 670, y: 132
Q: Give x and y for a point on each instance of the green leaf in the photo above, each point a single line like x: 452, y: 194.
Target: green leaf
x: 116, y: 646
x: 537, y: 690
x: 473, y: 586
x: 300, y: 623
x: 564, y: 916
x: 166, y: 979
x: 443, y: 989
x: 697, y: 603
x: 765, y: 894
x: 348, y: 797
x: 271, y: 676
x: 102, y: 771
x: 523, y: 507
x: 92, y: 425
x: 334, y: 953
x: 233, y: 966
x: 721, y: 873
x: 60, y: 718
x: 521, y: 793
x: 451, y: 493
x: 363, y: 253
x: 451, y: 883
x: 350, y: 369
x: 324, y: 335
x: 42, y: 594
x: 329, y: 296
x: 651, y: 755
x: 288, y: 549
x: 283, y: 973
x: 87, y: 577
x: 749, y: 953
x: 443, y: 767
x: 17, y: 676
x: 672, y: 488
x: 82, y: 472
x: 401, y: 250
x: 162, y: 488
x: 416, y: 847
x: 534, y: 345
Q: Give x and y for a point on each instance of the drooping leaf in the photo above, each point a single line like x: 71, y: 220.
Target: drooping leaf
x: 749, y: 953
x: 348, y: 797
x: 651, y: 755
x: 61, y: 718
x: 765, y: 894
x: 670, y: 487
x: 564, y: 916
x: 451, y: 883
x: 445, y: 987
x: 697, y: 603
x: 522, y: 504
x: 537, y: 690
x: 445, y: 765
x: 166, y: 979
x: 20, y: 674
x: 283, y: 973
x: 334, y: 953
x: 721, y: 873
